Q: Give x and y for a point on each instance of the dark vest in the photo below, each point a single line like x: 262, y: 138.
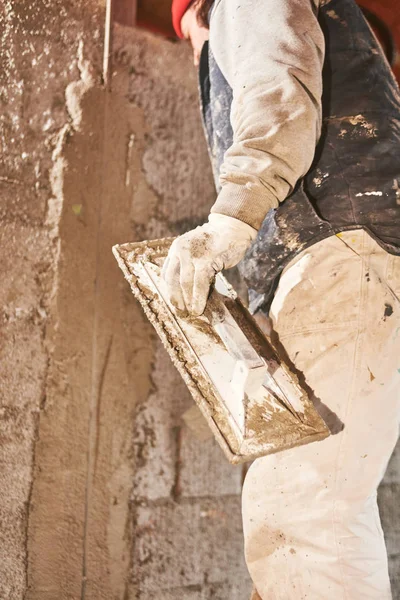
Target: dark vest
x: 354, y: 181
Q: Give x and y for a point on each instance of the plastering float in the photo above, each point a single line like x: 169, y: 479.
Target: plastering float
x: 251, y: 400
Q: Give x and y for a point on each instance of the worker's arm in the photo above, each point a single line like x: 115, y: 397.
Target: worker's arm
x: 271, y: 53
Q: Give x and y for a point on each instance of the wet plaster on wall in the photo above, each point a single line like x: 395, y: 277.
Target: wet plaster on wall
x: 37, y: 55
x: 81, y: 505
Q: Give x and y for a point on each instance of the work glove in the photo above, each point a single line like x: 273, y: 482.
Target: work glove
x: 197, y: 256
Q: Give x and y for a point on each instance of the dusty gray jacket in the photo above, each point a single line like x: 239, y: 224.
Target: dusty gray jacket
x: 297, y: 165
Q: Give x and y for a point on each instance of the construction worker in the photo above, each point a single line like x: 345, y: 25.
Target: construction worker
x: 302, y: 118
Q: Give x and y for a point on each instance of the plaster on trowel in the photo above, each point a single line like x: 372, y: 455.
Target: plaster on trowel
x: 252, y: 402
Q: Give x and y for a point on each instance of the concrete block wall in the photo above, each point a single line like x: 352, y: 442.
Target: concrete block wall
x: 185, y: 496
x: 105, y: 494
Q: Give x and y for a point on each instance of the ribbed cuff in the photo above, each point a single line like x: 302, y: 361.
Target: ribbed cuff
x: 242, y: 203
x: 218, y: 219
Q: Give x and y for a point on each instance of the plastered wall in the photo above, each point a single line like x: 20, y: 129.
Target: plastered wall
x: 104, y: 492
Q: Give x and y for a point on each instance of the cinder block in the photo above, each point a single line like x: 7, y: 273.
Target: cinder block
x: 204, y: 470
x: 156, y: 430
x: 154, y: 453
x: 188, y: 544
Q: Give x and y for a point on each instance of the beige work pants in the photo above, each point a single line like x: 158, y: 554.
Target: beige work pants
x: 311, y: 521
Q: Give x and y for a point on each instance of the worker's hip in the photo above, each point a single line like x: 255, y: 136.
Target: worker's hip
x: 337, y: 314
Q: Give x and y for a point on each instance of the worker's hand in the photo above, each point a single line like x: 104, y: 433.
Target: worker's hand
x: 195, y: 257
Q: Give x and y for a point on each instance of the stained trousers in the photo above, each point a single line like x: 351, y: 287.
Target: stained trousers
x: 311, y: 521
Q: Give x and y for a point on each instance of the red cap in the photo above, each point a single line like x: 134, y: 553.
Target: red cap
x: 179, y: 7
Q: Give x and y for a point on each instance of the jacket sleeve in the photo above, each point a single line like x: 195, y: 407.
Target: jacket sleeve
x: 271, y: 53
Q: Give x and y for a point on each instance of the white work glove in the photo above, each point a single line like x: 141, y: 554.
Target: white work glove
x: 195, y: 257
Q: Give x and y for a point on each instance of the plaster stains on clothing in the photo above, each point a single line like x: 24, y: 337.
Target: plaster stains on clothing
x: 319, y: 178
x: 368, y: 194
x: 396, y: 188
x: 360, y: 126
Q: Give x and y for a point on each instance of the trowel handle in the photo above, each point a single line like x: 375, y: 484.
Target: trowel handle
x: 230, y: 333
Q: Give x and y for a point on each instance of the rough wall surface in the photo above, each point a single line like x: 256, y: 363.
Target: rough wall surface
x: 185, y: 496
x: 39, y: 47
x: 104, y: 493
